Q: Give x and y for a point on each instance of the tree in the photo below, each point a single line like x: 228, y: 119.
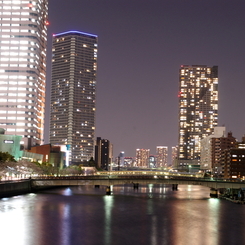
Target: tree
x: 91, y: 162
x: 72, y: 169
x: 6, y: 157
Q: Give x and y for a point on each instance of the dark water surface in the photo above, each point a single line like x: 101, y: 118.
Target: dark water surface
x: 151, y: 215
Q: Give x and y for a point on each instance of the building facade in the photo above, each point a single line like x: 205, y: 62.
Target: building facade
x: 142, y: 158
x: 51, y: 154
x: 218, y: 146
x: 10, y: 144
x: 198, y: 110
x: 73, y: 87
x: 210, y: 148
x: 162, y: 157
x: 129, y: 162
x: 23, y: 69
x: 103, y: 154
x: 152, y: 161
x: 174, y: 155
x: 233, y: 163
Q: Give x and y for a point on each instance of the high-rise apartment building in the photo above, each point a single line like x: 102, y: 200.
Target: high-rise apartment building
x: 174, y: 156
x: 103, y: 154
x: 162, y: 156
x: 211, y: 148
x: 142, y: 158
x: 198, y: 109
x: 23, y: 41
x: 73, y: 87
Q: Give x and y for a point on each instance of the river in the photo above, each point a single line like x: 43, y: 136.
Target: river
x: 151, y: 215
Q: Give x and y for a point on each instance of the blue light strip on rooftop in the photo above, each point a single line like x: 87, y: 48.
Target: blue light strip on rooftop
x: 70, y: 32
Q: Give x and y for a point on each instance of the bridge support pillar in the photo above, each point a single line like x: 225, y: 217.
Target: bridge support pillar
x: 108, y: 190
x: 97, y: 186
x: 136, y: 186
x: 174, y: 187
x: 213, y: 192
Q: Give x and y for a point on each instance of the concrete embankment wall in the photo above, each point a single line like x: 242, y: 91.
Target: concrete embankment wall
x: 15, y: 188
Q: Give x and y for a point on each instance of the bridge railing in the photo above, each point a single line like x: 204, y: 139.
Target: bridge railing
x: 155, y: 173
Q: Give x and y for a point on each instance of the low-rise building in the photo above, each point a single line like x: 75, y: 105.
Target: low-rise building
x: 10, y: 144
x: 51, y: 154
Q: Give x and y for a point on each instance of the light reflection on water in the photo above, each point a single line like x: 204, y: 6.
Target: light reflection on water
x: 66, y: 226
x: 108, y: 206
x: 151, y: 215
x: 14, y: 220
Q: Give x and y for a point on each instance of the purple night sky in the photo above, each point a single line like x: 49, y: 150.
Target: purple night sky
x: 142, y: 44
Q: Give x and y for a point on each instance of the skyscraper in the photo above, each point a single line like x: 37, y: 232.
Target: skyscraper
x: 73, y: 87
x: 23, y: 42
x: 198, y: 109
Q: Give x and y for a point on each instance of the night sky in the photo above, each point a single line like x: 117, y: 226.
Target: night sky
x: 142, y: 44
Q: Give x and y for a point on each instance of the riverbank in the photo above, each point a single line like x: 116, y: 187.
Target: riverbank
x: 20, y: 187
x: 232, y: 200
x: 12, y: 188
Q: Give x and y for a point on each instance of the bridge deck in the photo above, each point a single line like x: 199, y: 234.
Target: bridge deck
x: 125, y: 179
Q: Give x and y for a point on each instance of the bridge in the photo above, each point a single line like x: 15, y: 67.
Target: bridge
x: 137, y: 178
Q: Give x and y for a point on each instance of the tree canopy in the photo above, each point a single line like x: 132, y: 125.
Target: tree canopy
x: 6, y: 157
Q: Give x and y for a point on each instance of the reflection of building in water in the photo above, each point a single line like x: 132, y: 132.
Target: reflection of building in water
x: 142, y: 158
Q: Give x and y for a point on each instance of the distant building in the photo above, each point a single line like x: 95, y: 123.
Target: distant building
x: 73, y: 87
x: 174, y: 155
x: 120, y: 159
x: 162, y: 157
x: 128, y: 161
x: 152, y: 161
x: 142, y: 158
x: 103, y: 154
x: 198, y: 110
x: 23, y: 38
